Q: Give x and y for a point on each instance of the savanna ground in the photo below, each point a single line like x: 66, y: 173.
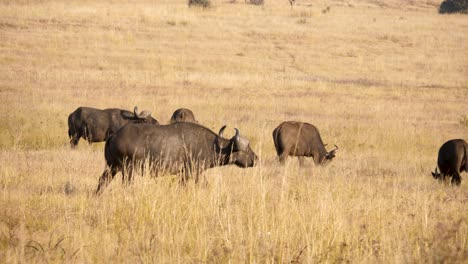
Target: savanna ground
x: 387, y: 81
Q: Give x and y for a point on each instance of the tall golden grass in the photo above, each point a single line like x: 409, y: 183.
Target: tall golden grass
x: 387, y: 81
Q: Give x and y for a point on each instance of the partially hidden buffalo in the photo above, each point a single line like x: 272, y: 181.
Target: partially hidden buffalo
x: 183, y: 115
x: 452, y: 160
x: 300, y: 139
x: 96, y: 125
x: 186, y: 149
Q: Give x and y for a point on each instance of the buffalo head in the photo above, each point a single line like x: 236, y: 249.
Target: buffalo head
x: 330, y: 155
x: 240, y: 152
x: 436, y: 174
x: 143, y: 117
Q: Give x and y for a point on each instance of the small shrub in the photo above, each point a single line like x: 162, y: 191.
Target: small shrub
x: 464, y: 120
x: 454, y: 6
x: 256, y: 2
x: 302, y: 20
x: 326, y: 10
x: 203, y: 3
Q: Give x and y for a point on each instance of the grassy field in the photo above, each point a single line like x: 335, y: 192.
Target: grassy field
x: 387, y: 81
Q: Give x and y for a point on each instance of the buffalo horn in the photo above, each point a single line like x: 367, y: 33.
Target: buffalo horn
x: 336, y: 148
x: 241, y: 142
x: 135, y: 111
x: 142, y: 115
x: 221, y: 131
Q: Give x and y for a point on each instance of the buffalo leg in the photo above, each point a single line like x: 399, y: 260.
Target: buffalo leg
x: 283, y: 156
x: 185, y: 174
x: 87, y: 135
x: 74, y: 139
x: 183, y: 178
x: 105, y: 179
x: 200, y: 177
x: 127, y: 174
x: 441, y: 177
x: 301, y: 161
x: 456, y: 179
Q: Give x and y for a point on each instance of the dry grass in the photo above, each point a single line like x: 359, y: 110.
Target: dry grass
x: 387, y: 81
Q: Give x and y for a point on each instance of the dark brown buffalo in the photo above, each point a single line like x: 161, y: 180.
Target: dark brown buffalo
x: 181, y: 148
x: 96, y: 125
x: 301, y: 140
x: 452, y: 160
x: 183, y: 115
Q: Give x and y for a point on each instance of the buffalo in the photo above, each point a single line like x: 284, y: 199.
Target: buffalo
x: 96, y: 125
x: 301, y: 140
x: 183, y: 115
x: 452, y: 160
x: 181, y: 148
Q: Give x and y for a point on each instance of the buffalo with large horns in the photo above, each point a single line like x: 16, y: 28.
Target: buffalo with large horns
x: 181, y: 148
x: 96, y: 125
x: 300, y: 139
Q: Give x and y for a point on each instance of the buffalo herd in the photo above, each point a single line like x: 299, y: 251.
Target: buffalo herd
x: 135, y: 141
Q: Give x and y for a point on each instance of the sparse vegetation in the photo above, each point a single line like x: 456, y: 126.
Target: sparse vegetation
x: 326, y: 10
x: 256, y: 2
x: 388, y: 96
x: 202, y: 3
x: 464, y: 120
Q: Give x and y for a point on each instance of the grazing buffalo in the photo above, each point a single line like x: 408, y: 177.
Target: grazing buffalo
x: 183, y: 115
x: 301, y: 140
x: 96, y: 125
x: 452, y: 160
x: 184, y: 148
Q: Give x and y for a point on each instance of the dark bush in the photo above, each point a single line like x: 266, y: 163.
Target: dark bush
x: 454, y: 6
x: 203, y: 3
x: 256, y: 2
